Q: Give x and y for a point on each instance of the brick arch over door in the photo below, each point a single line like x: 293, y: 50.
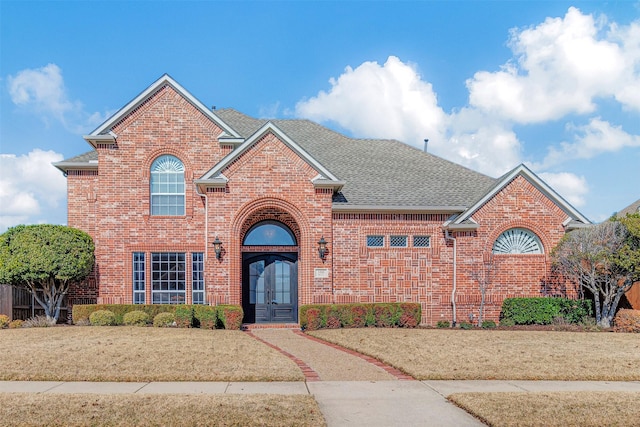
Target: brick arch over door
x: 255, y: 211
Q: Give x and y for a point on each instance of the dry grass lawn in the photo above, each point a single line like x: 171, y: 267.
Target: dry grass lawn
x: 21, y: 409
x: 497, y: 355
x: 585, y: 409
x: 85, y: 353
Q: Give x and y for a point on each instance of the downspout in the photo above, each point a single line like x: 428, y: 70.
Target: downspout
x: 448, y: 236
x: 206, y: 229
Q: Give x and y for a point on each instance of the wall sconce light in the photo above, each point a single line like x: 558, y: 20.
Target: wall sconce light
x: 217, y: 247
x: 322, y: 247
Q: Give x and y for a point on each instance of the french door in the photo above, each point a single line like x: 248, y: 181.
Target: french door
x: 270, y: 287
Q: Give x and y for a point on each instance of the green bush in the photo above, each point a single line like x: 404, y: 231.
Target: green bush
x: 543, y: 310
x: 4, y: 321
x: 183, y: 316
x: 507, y: 322
x: 80, y: 313
x: 443, y: 324
x: 164, y: 320
x: 488, y: 324
x: 230, y: 316
x: 333, y: 317
x: 102, y: 318
x: 136, y: 318
x: 466, y: 325
x: 205, y: 316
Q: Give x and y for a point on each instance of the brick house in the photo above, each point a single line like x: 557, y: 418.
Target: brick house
x: 190, y: 205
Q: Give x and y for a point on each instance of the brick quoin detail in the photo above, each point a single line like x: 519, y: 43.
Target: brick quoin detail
x: 270, y: 181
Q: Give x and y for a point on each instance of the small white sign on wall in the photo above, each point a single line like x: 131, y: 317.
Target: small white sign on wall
x: 321, y: 273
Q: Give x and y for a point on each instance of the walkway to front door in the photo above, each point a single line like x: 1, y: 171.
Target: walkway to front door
x: 270, y: 287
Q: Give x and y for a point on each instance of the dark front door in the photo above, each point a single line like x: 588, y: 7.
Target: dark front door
x: 270, y: 287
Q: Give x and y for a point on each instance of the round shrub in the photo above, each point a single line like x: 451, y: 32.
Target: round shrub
x: 102, y: 318
x: 15, y: 324
x: 136, y: 318
x: 488, y: 324
x: 164, y: 320
x: 4, y: 321
x: 443, y: 324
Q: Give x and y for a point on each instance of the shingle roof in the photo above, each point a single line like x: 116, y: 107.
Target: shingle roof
x: 377, y: 172
x: 631, y: 209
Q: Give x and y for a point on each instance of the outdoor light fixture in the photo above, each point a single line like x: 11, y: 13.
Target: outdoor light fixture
x: 217, y: 247
x: 322, y: 247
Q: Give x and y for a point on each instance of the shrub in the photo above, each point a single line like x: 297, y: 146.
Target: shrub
x: 627, y: 321
x: 38, y: 322
x: 314, y: 319
x: 359, y: 315
x: 488, y: 324
x: 507, y: 322
x: 411, y: 315
x: 543, y: 310
x: 15, y: 324
x: 4, y: 321
x: 136, y: 318
x: 333, y: 317
x: 164, y: 320
x: 102, y: 318
x: 183, y: 316
x: 205, y: 316
x: 384, y: 315
x: 81, y: 313
x: 230, y: 316
x: 443, y: 324
x: 466, y: 325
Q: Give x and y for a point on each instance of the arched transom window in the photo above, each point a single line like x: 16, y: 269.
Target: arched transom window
x: 167, y: 186
x: 269, y: 233
x: 517, y: 241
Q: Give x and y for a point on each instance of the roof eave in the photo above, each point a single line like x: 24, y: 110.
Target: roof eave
x: 349, y: 208
x: 65, y: 167
x: 95, y: 140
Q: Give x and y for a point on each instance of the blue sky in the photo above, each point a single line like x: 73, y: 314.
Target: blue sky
x: 552, y: 84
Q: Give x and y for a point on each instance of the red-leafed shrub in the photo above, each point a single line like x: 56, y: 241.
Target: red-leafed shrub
x: 314, y: 319
x: 333, y: 318
x: 385, y: 315
x: 359, y: 315
x: 230, y: 316
x: 411, y: 315
x: 627, y: 321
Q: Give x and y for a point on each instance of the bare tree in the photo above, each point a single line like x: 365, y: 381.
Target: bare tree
x: 590, y: 257
x: 483, y: 272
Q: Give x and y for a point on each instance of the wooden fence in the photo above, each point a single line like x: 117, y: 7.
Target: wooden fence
x: 19, y: 304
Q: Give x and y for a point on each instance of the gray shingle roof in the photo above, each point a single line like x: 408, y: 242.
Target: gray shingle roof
x: 631, y: 209
x: 378, y: 172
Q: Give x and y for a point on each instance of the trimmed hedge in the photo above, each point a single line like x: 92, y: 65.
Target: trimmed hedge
x: 186, y: 316
x: 102, y: 318
x: 627, y: 321
x: 319, y: 316
x: 543, y: 310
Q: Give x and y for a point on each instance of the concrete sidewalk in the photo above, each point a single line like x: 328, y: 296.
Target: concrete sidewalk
x: 343, y: 403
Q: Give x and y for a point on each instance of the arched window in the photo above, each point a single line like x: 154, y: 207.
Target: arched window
x: 517, y: 241
x: 167, y: 186
x: 269, y: 233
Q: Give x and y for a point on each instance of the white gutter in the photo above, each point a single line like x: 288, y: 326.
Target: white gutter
x: 447, y: 236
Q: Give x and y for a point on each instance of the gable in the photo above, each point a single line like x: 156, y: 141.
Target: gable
x: 104, y: 134
x: 538, y: 189
x: 215, y: 177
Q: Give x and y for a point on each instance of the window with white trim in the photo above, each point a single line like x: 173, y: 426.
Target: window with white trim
x: 375, y: 241
x: 398, y: 241
x: 421, y: 241
x: 197, y: 277
x: 517, y: 241
x: 139, y: 281
x: 168, y: 278
x: 167, y: 186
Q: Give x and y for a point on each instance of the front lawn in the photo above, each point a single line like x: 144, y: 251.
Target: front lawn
x: 497, y: 355
x: 24, y: 409
x: 122, y: 353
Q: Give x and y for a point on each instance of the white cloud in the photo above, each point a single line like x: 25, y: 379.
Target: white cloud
x: 388, y: 101
x: 595, y: 138
x: 560, y: 67
x: 42, y: 91
x: 571, y: 187
x: 31, y: 188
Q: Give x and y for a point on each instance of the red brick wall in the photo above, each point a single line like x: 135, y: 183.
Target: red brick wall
x: 270, y: 181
